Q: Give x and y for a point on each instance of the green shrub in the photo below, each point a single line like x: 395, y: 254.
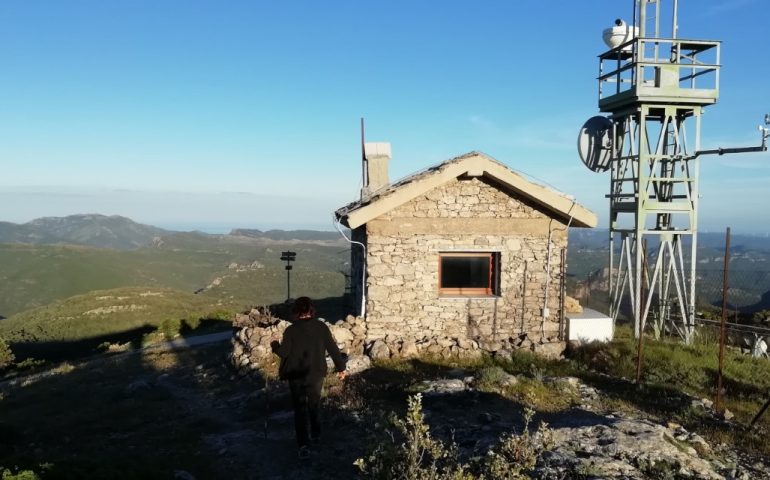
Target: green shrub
x: 221, y: 314
x: 6, y: 474
x: 29, y: 364
x: 410, y: 453
x: 414, y: 455
x: 191, y: 323
x: 491, y: 378
x: 516, y: 455
x: 170, y: 328
x: 6, y: 355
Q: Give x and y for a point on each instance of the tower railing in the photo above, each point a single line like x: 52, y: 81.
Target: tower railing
x: 660, y: 69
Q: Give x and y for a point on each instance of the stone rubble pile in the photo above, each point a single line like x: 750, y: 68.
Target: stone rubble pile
x: 255, y: 330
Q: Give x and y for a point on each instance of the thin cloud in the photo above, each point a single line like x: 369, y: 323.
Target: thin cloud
x: 727, y: 6
x: 537, y: 134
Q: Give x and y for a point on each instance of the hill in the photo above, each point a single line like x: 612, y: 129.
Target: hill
x: 36, y: 275
x: 86, y: 229
x: 77, y: 325
x: 285, y: 235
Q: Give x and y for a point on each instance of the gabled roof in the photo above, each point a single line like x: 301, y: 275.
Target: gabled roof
x: 474, y: 164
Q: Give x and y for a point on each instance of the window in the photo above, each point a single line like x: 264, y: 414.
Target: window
x: 469, y: 273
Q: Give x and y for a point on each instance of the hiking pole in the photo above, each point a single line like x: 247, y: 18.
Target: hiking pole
x: 759, y: 413
x: 267, y: 405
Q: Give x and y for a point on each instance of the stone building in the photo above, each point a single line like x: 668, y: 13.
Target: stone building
x: 467, y: 249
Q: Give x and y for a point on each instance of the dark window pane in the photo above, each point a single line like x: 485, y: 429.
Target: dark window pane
x: 465, y: 272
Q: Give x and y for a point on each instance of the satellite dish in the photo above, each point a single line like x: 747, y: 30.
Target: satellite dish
x: 594, y: 144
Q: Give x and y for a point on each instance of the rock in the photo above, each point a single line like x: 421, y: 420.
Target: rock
x: 445, y: 385
x: 504, y: 354
x: 553, y: 350
x: 341, y: 334
x: 509, y: 380
x: 464, y: 344
x: 408, y: 349
x: 727, y: 415
x: 379, y: 351
x: 699, y: 444
x: 358, y: 363
x: 183, y: 475
x: 623, y: 448
x: 138, y: 385
x: 571, y: 305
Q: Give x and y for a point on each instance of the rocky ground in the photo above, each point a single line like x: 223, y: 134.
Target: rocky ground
x: 590, y: 442
x: 189, y: 415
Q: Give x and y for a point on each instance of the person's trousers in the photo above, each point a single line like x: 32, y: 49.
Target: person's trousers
x: 306, y: 399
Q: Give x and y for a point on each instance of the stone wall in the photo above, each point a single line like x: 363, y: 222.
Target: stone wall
x: 467, y: 215
x: 255, y: 330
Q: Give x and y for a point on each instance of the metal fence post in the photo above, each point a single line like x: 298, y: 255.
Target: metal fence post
x: 722, y: 324
x: 642, y: 301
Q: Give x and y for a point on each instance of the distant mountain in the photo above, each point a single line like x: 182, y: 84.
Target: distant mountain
x: 286, y: 235
x: 86, y: 229
x: 595, y: 238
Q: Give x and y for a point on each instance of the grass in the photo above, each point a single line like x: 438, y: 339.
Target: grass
x: 84, y: 324
x: 37, y: 275
x: 67, y: 294
x: 673, y: 373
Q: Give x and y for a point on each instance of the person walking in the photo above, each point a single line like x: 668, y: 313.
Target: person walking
x: 303, y: 363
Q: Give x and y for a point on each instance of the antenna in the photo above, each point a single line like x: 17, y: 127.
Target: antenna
x: 764, y: 132
x: 364, y: 176
x: 654, y: 88
x: 594, y: 144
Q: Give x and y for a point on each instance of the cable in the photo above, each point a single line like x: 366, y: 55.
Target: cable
x: 548, y: 264
x: 337, y: 224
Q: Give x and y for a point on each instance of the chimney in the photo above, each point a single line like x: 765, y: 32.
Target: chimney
x: 377, y: 155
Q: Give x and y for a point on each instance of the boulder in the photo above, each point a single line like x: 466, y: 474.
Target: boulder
x: 379, y: 350
x: 408, y: 349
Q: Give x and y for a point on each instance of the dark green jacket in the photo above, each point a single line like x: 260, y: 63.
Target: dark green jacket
x: 303, y: 350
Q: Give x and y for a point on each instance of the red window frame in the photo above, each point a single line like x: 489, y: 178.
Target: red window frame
x: 489, y: 291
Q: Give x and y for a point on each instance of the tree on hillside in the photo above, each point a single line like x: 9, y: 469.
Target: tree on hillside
x: 6, y: 355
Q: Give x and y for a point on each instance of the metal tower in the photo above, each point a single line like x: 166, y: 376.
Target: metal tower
x: 654, y: 86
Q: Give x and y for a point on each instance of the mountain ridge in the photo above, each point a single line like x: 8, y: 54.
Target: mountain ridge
x: 122, y: 233
x: 89, y: 229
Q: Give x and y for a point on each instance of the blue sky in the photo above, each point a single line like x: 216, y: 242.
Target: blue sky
x: 246, y: 113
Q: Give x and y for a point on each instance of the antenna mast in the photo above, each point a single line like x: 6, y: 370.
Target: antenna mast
x: 654, y: 88
x: 364, y: 169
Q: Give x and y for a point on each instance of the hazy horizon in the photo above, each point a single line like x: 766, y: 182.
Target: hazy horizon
x: 248, y: 113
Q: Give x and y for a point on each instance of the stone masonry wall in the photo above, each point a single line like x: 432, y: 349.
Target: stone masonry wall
x: 403, y: 249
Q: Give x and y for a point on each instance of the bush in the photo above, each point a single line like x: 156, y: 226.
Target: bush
x: 491, y: 378
x: 170, y: 328
x: 410, y: 453
x: 417, y: 456
x: 191, y: 323
x: 6, y: 474
x: 6, y: 355
x: 517, y: 455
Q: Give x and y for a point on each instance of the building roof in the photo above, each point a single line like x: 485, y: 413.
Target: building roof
x: 474, y: 164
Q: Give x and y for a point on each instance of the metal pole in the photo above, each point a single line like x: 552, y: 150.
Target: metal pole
x: 563, y: 293
x: 722, y: 327
x: 642, y: 301
x: 675, y: 28
x: 759, y: 413
x: 288, y: 284
x: 364, y: 170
